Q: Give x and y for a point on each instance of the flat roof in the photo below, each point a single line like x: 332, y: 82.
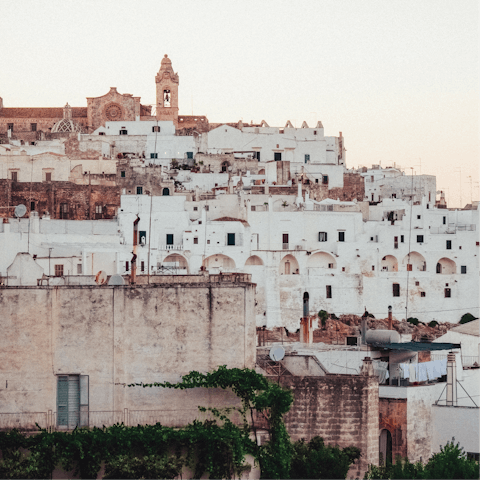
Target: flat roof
x: 416, y: 346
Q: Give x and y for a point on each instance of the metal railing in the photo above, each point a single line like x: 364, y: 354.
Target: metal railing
x: 170, y: 247
x: 467, y: 360
x: 285, y: 246
x: 24, y: 421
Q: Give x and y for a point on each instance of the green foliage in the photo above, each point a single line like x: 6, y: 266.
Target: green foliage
x: 468, y: 317
x: 317, y: 460
x: 450, y: 462
x: 413, y: 321
x: 149, y: 466
x: 433, y: 323
x: 323, y: 316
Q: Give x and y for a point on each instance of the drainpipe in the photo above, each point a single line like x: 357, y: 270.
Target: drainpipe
x: 451, y: 380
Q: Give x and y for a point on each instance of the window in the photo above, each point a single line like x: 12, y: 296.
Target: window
x: 395, y: 242
x: 314, y: 132
x: 394, y: 195
x: 448, y: 293
x: 257, y: 155
x: 32, y: 206
x: 195, y: 209
x: 285, y: 241
x: 325, y: 179
x: 422, y: 294
x: 396, y: 289
x: 419, y: 238
x: 316, y: 180
x: 139, y: 190
x: 14, y: 176
x: 341, y: 236
x: 343, y: 269
x: 463, y: 269
x: 127, y: 267
x: 123, y: 132
x: 59, y: 270
x: 156, y: 128
x: 101, y: 133
x: 154, y: 155
x: 352, y: 341
x: 419, y: 217
x: 72, y: 400
x: 98, y: 209
x: 329, y: 291
x: 195, y: 240
x: 142, y: 237
x: 166, y: 192
x: 190, y: 155
x: 373, y: 267
x: 322, y: 236
x: 402, y: 238
x: 307, y: 158
x: 10, y: 127
x: 444, y: 220
x: 439, y: 268
x: 230, y: 239
x: 207, y: 208
x: 122, y: 173
x: 33, y: 127
x: 142, y: 266
x: 169, y: 238
x: 417, y: 284
x: 166, y: 98
x: 48, y: 176
x: 277, y: 156
x: 79, y: 269
x: 449, y: 245
x: 409, y: 267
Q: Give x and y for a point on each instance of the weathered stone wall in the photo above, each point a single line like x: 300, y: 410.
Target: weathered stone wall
x: 393, y: 417
x: 353, y: 188
x: 342, y: 409
x: 214, y: 162
x: 150, y: 178
x: 48, y: 196
x: 122, y: 335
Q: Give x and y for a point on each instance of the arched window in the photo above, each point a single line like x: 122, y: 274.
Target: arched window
x: 385, y: 447
x: 439, y: 268
x: 166, y: 192
x: 306, y: 307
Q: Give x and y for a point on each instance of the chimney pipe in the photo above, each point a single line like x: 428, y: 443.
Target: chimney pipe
x: 390, y: 321
x: 451, y: 380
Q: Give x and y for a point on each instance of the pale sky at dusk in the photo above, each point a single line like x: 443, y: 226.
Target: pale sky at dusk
x: 399, y: 79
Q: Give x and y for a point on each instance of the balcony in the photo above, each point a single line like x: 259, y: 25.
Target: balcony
x: 285, y: 246
x: 170, y: 247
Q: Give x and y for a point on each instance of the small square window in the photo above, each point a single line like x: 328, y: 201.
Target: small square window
x: 169, y: 238
x: 402, y: 238
x: 59, y: 270
x: 14, y: 176
x: 409, y: 267
x: 207, y: 208
x: 322, y: 236
x: 190, y: 155
x: 230, y: 239
x: 33, y: 127
x: 208, y: 242
x: 343, y: 269
x: 396, y: 289
x: 422, y: 294
x: 417, y: 284
x: 139, y: 190
x: 373, y: 267
x: 325, y: 179
x: 48, y: 176
x: 419, y: 238
x: 195, y: 240
x: 307, y: 158
x: 154, y: 155
x: 155, y: 128
x: 341, y: 236
x: 122, y: 174
x: 449, y: 245
x: 448, y: 293
x: 419, y: 217
x: 316, y: 180
x: 32, y: 206
x: 195, y: 209
x: 277, y: 156
x: 463, y: 269
x: 123, y: 132
x: 329, y: 291
x: 10, y: 127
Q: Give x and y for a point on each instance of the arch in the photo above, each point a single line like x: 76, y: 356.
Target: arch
x: 389, y: 264
x: 385, y: 447
x: 306, y: 306
x: 225, y: 166
x: 446, y: 266
x: 261, y: 171
x: 289, y: 265
x: 254, y: 260
x: 166, y: 192
x: 416, y: 263
x: 321, y: 260
x: 180, y: 261
x: 220, y: 262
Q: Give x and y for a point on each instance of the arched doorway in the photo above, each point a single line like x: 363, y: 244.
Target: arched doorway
x: 289, y: 265
x: 385, y: 447
x: 166, y: 192
x: 446, y: 266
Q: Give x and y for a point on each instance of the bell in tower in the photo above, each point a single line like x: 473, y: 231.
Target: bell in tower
x: 167, y: 92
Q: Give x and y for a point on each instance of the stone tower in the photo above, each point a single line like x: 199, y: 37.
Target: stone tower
x: 167, y: 92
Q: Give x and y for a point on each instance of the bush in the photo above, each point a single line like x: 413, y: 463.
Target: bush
x: 468, y: 317
x: 433, y: 324
x: 413, y: 321
x: 323, y: 316
x: 317, y: 460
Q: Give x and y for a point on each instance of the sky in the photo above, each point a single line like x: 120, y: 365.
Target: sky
x: 399, y: 79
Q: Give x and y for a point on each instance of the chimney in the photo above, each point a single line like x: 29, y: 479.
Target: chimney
x: 390, y: 321
x: 363, y: 327
x: 367, y: 367
x: 451, y: 380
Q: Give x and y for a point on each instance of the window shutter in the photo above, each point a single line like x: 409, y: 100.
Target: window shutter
x: 84, y: 400
x: 73, y: 401
x: 62, y: 401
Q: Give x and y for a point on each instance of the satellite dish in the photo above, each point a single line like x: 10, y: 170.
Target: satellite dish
x: 20, y: 210
x: 116, y: 280
x: 277, y: 353
x: 101, y: 278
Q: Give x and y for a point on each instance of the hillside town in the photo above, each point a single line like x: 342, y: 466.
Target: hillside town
x: 139, y: 244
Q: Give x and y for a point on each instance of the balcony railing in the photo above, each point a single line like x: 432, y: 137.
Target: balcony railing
x: 171, y: 247
x: 28, y: 421
x: 285, y: 246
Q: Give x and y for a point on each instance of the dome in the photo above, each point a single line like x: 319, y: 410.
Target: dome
x: 165, y: 60
x: 66, y: 125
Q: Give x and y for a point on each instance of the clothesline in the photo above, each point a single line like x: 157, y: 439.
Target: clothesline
x: 421, y: 372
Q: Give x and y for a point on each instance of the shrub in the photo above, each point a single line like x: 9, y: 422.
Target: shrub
x: 433, y: 324
x: 468, y: 317
x: 413, y: 321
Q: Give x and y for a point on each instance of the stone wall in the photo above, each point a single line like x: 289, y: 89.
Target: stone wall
x: 81, y: 200
x: 342, y: 409
x: 122, y: 335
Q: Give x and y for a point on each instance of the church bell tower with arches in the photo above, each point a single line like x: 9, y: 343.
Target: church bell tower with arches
x: 167, y: 92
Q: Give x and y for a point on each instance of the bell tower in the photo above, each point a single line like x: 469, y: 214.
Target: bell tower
x: 167, y: 92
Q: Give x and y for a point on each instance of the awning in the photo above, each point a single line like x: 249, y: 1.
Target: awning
x: 416, y: 346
